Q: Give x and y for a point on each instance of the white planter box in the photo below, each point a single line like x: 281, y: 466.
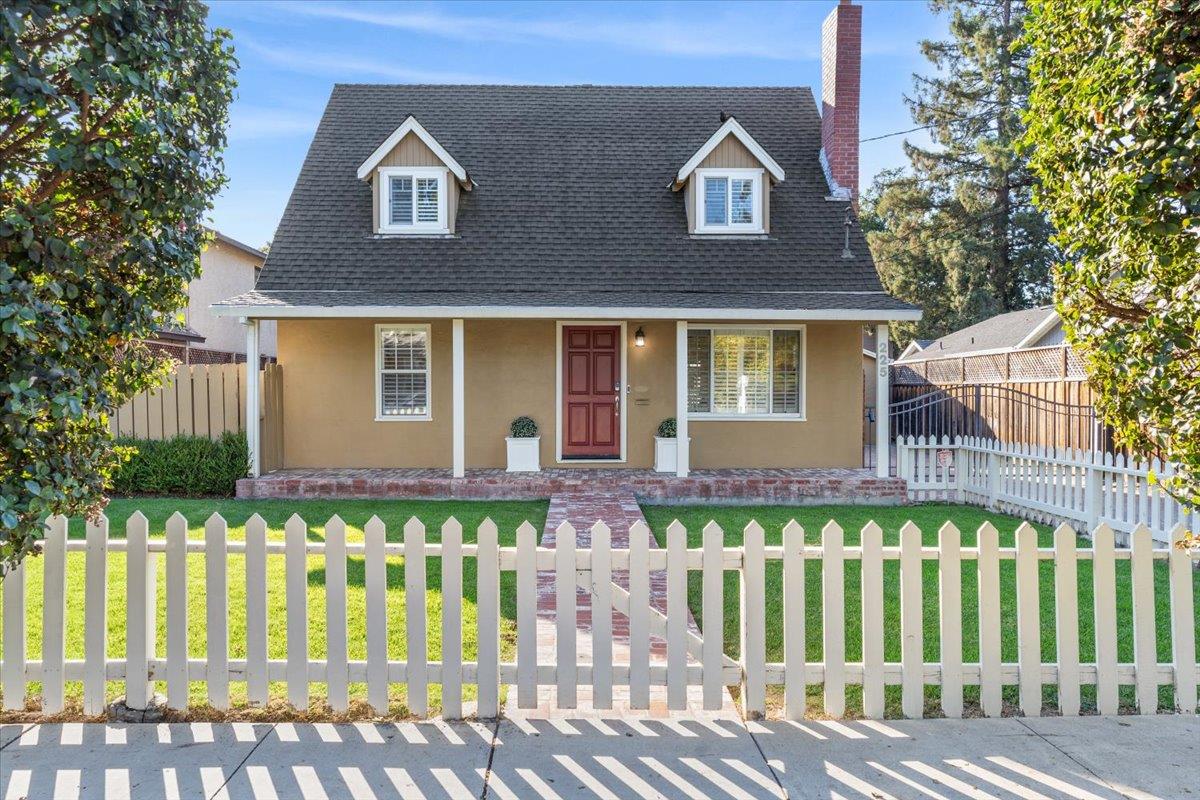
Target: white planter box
x: 523, y: 454
x: 666, y: 454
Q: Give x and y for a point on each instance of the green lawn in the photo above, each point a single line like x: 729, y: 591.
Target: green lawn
x: 929, y: 518
x: 507, y: 515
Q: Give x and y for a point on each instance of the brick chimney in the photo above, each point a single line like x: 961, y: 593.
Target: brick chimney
x: 841, y: 77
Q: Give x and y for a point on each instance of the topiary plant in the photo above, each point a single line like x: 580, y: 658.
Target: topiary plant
x: 523, y: 428
x: 666, y: 428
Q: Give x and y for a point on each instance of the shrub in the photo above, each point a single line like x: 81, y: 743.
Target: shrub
x: 187, y: 466
x: 523, y: 428
x: 666, y: 428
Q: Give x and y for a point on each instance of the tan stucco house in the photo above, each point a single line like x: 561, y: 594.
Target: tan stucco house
x: 598, y: 258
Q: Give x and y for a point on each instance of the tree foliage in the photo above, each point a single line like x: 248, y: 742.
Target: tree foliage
x: 956, y: 232
x: 112, y: 119
x: 1114, y: 127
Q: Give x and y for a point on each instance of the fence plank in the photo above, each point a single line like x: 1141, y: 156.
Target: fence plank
x: 872, y: 620
x: 1066, y: 619
x: 565, y: 614
x: 833, y: 611
x: 488, y: 620
x: 54, y: 609
x: 1029, y: 622
x: 216, y: 400
x: 1183, y: 624
x: 527, y: 686
x: 139, y: 612
x: 256, y: 610
x: 95, y: 631
x: 639, y: 616
x: 676, y: 616
x: 754, y: 621
x: 950, y: 618
x: 795, y: 656
x: 375, y: 579
x: 601, y: 604
x: 989, y: 619
x: 184, y: 398
x: 295, y: 535
x: 912, y: 639
x: 415, y: 617
x: 452, y: 619
x: 177, y: 613
x: 12, y: 673
x: 336, y: 638
x: 1104, y: 591
x: 713, y: 608
x: 1145, y: 642
x: 170, y: 406
x: 216, y: 600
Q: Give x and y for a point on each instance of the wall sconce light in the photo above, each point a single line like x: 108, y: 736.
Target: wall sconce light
x: 639, y: 338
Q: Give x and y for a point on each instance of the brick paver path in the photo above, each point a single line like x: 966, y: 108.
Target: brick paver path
x: 618, y: 509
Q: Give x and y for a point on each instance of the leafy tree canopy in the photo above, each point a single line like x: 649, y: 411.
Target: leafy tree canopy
x: 112, y: 120
x: 1114, y: 127
x: 956, y: 232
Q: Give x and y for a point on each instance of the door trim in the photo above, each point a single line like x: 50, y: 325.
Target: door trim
x: 558, y: 393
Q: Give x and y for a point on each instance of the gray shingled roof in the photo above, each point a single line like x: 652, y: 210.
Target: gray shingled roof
x: 1000, y: 332
x: 572, y: 196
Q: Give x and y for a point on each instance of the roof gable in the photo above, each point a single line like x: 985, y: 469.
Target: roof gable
x: 731, y: 127
x: 410, y: 125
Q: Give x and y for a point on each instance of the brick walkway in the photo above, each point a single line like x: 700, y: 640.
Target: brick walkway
x: 619, y: 510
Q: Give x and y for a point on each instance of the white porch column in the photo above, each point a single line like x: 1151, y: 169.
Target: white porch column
x: 682, y: 443
x: 883, y: 397
x: 459, y: 402
x: 252, y: 403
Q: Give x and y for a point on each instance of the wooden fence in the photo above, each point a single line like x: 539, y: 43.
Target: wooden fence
x: 593, y: 569
x: 1028, y: 365
x: 1045, y: 484
x: 206, y: 400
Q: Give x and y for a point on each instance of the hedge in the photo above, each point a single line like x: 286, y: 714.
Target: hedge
x: 186, y: 466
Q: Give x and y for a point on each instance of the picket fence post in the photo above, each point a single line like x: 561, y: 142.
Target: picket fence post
x: 452, y: 619
x: 95, y: 631
x: 527, y: 690
x: 754, y: 621
x: 833, y: 611
x: 676, y: 616
x: 1183, y: 627
x: 295, y: 532
x: 256, y: 611
x: 337, y: 668
x: 994, y: 466
x: 602, y: 645
x: 12, y: 678
x: 488, y: 619
x: 794, y: 638
x: 54, y: 608
x: 416, y: 661
x: 375, y: 578
x: 872, y: 620
x: 139, y: 611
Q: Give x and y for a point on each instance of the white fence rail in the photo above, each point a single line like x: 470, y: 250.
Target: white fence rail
x: 147, y: 660
x: 1045, y: 484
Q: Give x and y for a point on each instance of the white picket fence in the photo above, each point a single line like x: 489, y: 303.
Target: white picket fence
x: 692, y: 659
x: 1044, y: 484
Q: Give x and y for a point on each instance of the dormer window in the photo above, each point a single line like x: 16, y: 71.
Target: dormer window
x: 729, y: 201
x: 412, y: 200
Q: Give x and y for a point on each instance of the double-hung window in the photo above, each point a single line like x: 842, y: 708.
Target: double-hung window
x: 746, y: 372
x: 402, y: 372
x: 729, y: 201
x: 412, y: 200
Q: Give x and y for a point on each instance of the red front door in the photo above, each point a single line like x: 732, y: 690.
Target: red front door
x: 591, y: 391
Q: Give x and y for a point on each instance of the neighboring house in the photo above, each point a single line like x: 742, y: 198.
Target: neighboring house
x: 596, y: 257
x: 227, y: 267
x: 1016, y: 330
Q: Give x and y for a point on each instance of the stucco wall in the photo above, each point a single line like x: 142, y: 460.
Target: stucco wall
x: 225, y: 272
x: 329, y: 403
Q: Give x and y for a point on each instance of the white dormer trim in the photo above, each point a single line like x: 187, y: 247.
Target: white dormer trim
x: 1040, y: 330
x: 731, y: 127
x: 411, y: 125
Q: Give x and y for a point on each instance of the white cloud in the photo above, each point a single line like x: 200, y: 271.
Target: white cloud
x: 337, y: 66
x: 726, y: 34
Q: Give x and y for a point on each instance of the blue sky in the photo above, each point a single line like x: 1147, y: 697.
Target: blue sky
x: 292, y: 53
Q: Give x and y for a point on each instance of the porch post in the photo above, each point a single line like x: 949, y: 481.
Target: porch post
x: 459, y: 399
x: 252, y: 421
x: 883, y: 398
x: 682, y: 443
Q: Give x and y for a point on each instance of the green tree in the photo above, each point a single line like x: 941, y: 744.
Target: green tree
x: 1114, y: 127
x: 957, y: 231
x: 112, y: 120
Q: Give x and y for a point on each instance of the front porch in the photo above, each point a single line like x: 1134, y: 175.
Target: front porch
x: 724, y: 486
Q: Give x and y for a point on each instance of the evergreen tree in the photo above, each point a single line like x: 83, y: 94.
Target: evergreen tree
x: 957, y: 232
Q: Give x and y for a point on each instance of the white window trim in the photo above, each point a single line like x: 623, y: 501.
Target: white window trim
x: 384, y: 225
x: 379, y: 415
x: 755, y: 174
x: 802, y: 416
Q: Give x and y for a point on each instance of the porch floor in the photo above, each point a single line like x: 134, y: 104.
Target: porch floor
x: 728, y: 486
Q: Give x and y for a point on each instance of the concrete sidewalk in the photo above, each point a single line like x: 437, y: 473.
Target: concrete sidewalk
x: 1091, y: 758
